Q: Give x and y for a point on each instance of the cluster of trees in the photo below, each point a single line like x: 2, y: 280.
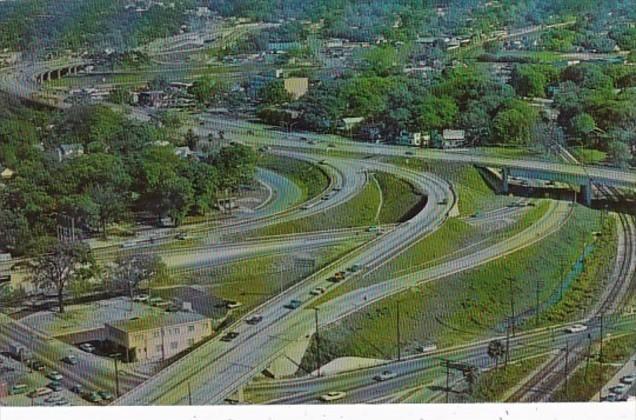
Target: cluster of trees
x: 126, y: 169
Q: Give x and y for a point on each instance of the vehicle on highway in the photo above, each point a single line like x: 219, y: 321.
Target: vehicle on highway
x: 575, y: 328
x: 142, y: 297
x: 324, y: 198
x: 443, y: 202
x: 54, y: 375
x: 409, y: 153
x: 129, y: 244
x: 229, y: 336
x: 331, y: 145
x: 308, y: 206
x: 70, y: 359
x: 355, y: 268
x: 18, y: 389
x: 173, y: 307
x: 93, y: 397
x: 619, y: 389
x: 233, y: 304
x: 337, y: 189
x: 106, y: 396
x: 55, y: 386
x: 333, y: 396
x: 159, y: 302
x: 87, y: 347
x: 293, y: 304
x: 385, y: 376
x: 340, y: 275
x: 40, y: 392
x: 628, y: 379
x: 323, y: 162
x: 35, y: 365
x: 77, y: 389
x: 182, y: 236
x: 318, y: 291
x: 373, y: 228
x: 253, y: 320
x: 425, y: 348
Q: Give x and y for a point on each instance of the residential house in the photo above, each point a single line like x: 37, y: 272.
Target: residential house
x: 296, y: 86
x: 349, y: 123
x: 152, y: 98
x: 6, y: 173
x: 453, y: 138
x: 416, y: 139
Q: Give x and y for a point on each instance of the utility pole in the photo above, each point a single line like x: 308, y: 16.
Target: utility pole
x: 512, y: 305
x: 189, y: 394
x: 565, y: 372
x: 399, y: 350
x: 116, y: 376
x: 507, y: 344
x: 316, y: 309
x: 539, y: 287
x: 600, y: 361
x: 447, y: 380
x: 562, y: 279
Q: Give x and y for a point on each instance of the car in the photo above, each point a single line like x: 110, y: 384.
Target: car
x: 40, y: 392
x: 409, y: 153
x: 443, y: 202
x: 334, y: 279
x: 233, y: 304
x: 70, y: 359
x: 337, y: 189
x: 36, y: 365
x: 77, y: 389
x: 384, y: 376
x: 425, y: 348
x: 318, y: 291
x: 340, y: 275
x: 253, y: 320
x: 106, y: 396
x: 355, y: 268
x: 619, y: 389
x: 93, y: 397
x: 142, y: 297
x: 333, y: 396
x: 182, y: 236
x: 322, y: 162
x: 575, y: 328
x: 293, y: 304
x: 55, y: 386
x: 129, y: 244
x: 18, y: 389
x: 55, y: 375
x: 629, y: 379
x: 229, y: 336
x: 173, y: 307
x: 303, y: 138
x: 87, y: 347
x: 331, y: 145
x: 54, y: 398
x: 609, y: 397
x: 373, y: 228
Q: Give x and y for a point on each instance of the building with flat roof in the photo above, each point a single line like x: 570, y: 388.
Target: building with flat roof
x: 296, y: 86
x: 157, y: 337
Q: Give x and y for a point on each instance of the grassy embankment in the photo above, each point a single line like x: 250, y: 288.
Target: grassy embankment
x: 309, y: 178
x: 464, y: 307
x: 396, y: 197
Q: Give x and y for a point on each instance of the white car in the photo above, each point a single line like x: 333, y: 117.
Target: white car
x: 384, y: 376
x: 233, y: 304
x: 318, y: 291
x: 87, y: 347
x: 141, y: 298
x: 55, y: 375
x: 619, y: 389
x: 576, y: 328
x: 333, y: 396
x: 629, y: 379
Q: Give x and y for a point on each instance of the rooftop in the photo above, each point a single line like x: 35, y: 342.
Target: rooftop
x: 164, y: 319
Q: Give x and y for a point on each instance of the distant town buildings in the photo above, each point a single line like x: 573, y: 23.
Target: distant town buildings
x: 296, y: 86
x: 453, y: 139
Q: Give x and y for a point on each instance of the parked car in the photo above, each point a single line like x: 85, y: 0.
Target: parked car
x: 253, y: 320
x: 40, y: 392
x: 54, y: 375
x: 333, y: 396
x: 628, y: 379
x: 55, y: 398
x: 293, y: 304
x: 18, y: 389
x: 106, y: 396
x: 384, y: 376
x: 35, y: 365
x: 55, y: 386
x: 93, y: 397
x: 77, y: 389
x: 87, y: 347
x: 70, y: 359
x: 229, y: 336
x: 619, y: 389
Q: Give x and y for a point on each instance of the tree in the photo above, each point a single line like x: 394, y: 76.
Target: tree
x: 496, y: 350
x: 110, y: 206
x: 120, y: 95
x: 64, y: 264
x: 130, y: 271
x: 582, y: 125
x: 437, y: 113
x: 514, y: 123
x: 619, y: 153
x: 208, y: 90
x: 274, y: 93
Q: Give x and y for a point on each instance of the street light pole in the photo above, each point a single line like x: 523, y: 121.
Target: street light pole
x: 116, y: 377
x: 316, y: 309
x: 399, y: 349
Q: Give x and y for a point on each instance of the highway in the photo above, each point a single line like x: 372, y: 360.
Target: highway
x: 231, y: 365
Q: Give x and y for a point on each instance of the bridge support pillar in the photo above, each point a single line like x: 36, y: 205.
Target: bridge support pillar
x: 586, y: 193
x: 505, y: 187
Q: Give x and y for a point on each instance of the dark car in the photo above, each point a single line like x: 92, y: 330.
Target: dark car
x: 229, y: 336
x: 106, y: 396
x: 55, y: 386
x: 253, y: 320
x: 293, y: 304
x: 70, y: 359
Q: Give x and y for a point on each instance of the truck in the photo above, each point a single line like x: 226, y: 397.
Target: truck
x: 19, y: 352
